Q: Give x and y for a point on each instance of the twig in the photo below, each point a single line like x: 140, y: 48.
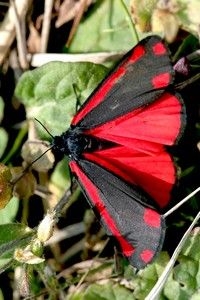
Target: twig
x: 38, y: 59
x: 156, y: 290
x: 180, y: 203
x: 20, y: 34
x: 46, y: 25
x: 7, y: 27
x: 154, y: 293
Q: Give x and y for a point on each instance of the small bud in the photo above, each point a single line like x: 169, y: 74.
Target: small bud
x: 27, y: 256
x: 32, y: 150
x: 37, y: 247
x: 46, y: 227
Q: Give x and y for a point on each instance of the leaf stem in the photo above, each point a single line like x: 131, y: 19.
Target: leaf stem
x: 130, y: 21
x: 16, y: 145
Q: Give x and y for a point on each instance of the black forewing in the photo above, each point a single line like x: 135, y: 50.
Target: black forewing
x: 129, y: 91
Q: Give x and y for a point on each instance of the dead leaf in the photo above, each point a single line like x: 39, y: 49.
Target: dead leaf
x: 34, y: 39
x: 68, y: 10
x: 165, y: 22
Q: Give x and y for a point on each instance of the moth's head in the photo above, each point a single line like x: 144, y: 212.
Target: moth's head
x: 60, y: 145
x: 71, y: 143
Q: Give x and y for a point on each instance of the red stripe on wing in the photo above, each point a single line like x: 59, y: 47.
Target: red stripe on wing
x: 92, y: 193
x: 108, y: 83
x: 137, y: 53
x: 99, y: 95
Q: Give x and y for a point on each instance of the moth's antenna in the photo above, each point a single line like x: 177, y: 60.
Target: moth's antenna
x: 39, y: 157
x: 45, y: 128
x: 25, y: 170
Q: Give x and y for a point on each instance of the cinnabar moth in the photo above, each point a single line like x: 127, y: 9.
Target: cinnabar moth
x: 117, y: 148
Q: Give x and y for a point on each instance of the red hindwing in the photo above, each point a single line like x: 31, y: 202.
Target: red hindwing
x: 140, y: 157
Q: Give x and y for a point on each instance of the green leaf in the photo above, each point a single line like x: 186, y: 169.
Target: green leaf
x: 18, y: 236
x: 195, y: 296
x: 15, y: 231
x: 107, y: 291
x: 172, y: 290
x: 106, y: 27
x: 5, y: 264
x: 184, y: 283
x: 50, y: 92
x: 188, y: 45
x: 1, y: 295
x: 61, y: 175
x: 146, y: 278
x: 8, y: 213
x: 191, y: 246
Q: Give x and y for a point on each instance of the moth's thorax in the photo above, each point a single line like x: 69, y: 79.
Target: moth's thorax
x: 74, y: 142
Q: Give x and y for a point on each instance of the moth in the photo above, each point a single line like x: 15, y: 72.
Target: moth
x: 117, y: 148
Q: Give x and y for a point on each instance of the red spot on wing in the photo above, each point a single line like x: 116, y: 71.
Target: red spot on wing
x: 152, y: 218
x: 147, y: 255
x: 97, y: 202
x: 137, y: 53
x: 159, y: 49
x: 161, y: 80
